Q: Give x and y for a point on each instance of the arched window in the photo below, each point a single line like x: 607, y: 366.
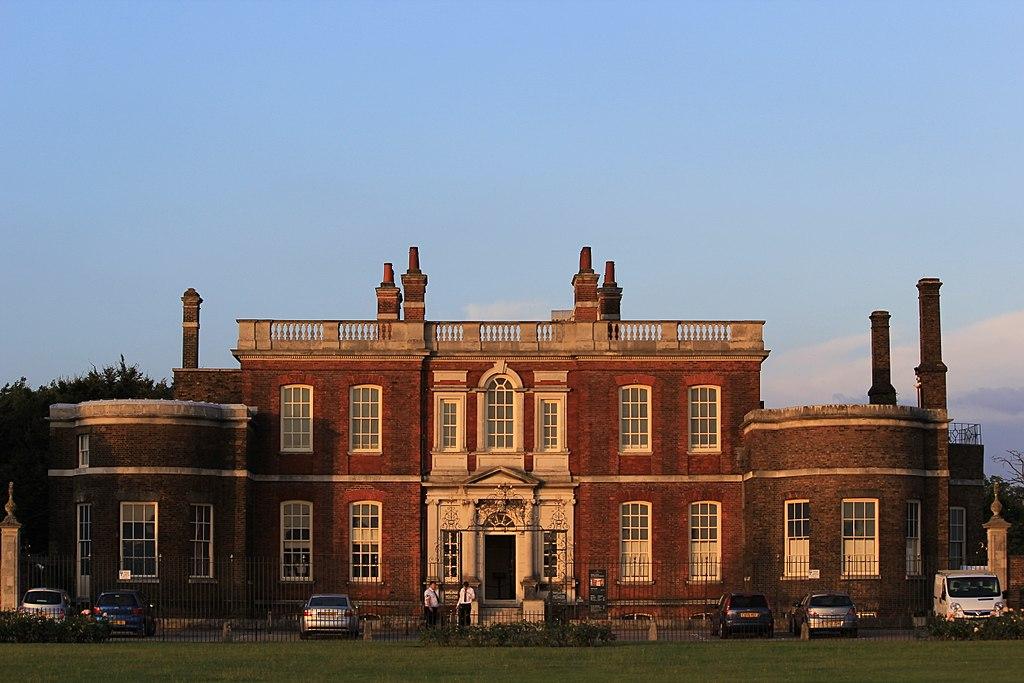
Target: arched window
x: 365, y: 528
x: 635, y: 418
x: 297, y: 418
x: 500, y: 414
x: 705, y: 550
x: 297, y: 540
x: 635, y: 541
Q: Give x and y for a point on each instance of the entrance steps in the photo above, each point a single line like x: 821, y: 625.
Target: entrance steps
x: 500, y: 615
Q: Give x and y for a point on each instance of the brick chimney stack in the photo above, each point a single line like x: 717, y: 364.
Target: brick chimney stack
x: 190, y: 302
x: 389, y: 297
x: 881, y: 392
x: 931, y: 373
x: 609, y: 297
x: 584, y: 285
x: 414, y: 283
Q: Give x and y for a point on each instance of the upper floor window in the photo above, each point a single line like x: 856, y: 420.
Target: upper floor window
x: 798, y: 537
x: 705, y: 550
x: 83, y: 450
x: 957, y: 537
x: 138, y: 539
x: 634, y: 418
x: 500, y: 414
x: 297, y: 540
x: 635, y: 541
x: 913, y: 538
x: 449, y: 412
x: 704, y: 424
x: 860, y: 537
x: 202, y: 540
x: 365, y: 565
x: 297, y: 418
x: 365, y: 412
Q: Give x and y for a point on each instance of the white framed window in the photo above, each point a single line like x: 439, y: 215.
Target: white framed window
x: 84, y: 546
x: 365, y: 409
x: 635, y: 418
x: 860, y: 537
x: 365, y: 527
x: 913, y: 538
x: 139, y: 539
x: 798, y: 538
x: 499, y: 416
x: 296, y: 540
x: 83, y: 450
x: 705, y: 550
x: 635, y: 541
x: 449, y: 422
x: 551, y: 553
x: 202, y: 540
x: 957, y: 537
x: 549, y: 412
x: 451, y: 554
x: 704, y: 423
x: 297, y: 418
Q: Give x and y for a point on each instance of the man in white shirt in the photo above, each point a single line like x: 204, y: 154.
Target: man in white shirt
x: 431, y: 602
x: 466, y: 597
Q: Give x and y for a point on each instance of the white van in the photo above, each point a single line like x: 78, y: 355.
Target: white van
x: 967, y: 594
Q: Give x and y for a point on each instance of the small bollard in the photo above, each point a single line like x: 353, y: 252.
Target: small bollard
x: 652, y: 630
x: 368, y: 630
x: 225, y: 633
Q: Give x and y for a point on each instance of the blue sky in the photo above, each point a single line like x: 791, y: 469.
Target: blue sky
x: 804, y: 163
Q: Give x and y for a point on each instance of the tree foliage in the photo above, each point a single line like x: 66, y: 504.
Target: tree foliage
x: 25, y: 434
x: 1011, y: 495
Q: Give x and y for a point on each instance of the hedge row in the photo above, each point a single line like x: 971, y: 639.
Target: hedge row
x: 1008, y: 626
x: 27, y: 627
x: 519, y: 634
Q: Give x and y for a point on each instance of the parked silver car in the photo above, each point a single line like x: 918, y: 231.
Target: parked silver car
x: 824, y: 612
x: 47, y: 602
x: 328, y: 613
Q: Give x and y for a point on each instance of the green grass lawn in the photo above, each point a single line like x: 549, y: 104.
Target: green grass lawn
x: 830, y: 661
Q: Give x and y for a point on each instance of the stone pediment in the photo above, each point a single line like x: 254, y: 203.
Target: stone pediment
x: 498, y: 476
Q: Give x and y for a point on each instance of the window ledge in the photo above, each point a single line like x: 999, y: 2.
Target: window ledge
x: 367, y: 582
x: 141, y: 579
x: 629, y: 454
x: 703, y: 582
x: 796, y: 578
x: 291, y: 452
x: 293, y: 579
x: 627, y: 582
x: 860, y: 577
x: 702, y: 451
x: 361, y: 453
x: 201, y: 579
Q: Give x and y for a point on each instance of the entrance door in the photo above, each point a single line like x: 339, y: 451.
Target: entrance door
x: 499, y: 567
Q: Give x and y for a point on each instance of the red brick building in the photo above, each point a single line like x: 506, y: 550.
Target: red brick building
x: 538, y: 460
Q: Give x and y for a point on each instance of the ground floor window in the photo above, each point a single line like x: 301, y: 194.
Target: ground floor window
x: 365, y: 541
x: 635, y: 542
x: 798, y: 538
x: 138, y: 539
x: 296, y: 541
x: 913, y: 538
x: 202, y: 540
x: 451, y: 551
x: 704, y: 548
x: 860, y: 537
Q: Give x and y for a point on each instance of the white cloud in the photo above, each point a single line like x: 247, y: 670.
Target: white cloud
x: 508, y: 310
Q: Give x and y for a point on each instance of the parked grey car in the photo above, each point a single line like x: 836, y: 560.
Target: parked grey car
x: 824, y: 612
x: 328, y: 614
x: 47, y: 602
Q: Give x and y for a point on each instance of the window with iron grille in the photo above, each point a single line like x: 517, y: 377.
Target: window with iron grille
x: 860, y: 537
x: 451, y: 552
x: 138, y: 538
x: 635, y: 541
x: 297, y: 418
x: 634, y: 418
x: 365, y: 541
x: 553, y: 541
x: 704, y: 547
x: 704, y: 424
x: 365, y: 422
x: 202, y: 540
x: 913, y: 538
x: 798, y: 537
x: 500, y: 414
x: 297, y: 541
x: 957, y: 537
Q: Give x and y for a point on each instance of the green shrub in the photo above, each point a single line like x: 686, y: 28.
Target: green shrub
x: 28, y: 627
x: 519, y: 634
x: 1008, y: 626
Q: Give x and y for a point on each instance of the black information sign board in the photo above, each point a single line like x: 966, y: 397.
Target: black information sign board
x: 597, y: 590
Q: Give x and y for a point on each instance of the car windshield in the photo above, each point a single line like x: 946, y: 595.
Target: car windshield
x: 747, y: 601
x: 328, y: 601
x: 118, y: 600
x: 42, y: 598
x: 831, y: 601
x: 974, y: 587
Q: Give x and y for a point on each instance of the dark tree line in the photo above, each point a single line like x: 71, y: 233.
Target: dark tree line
x: 25, y: 433
x: 1011, y: 495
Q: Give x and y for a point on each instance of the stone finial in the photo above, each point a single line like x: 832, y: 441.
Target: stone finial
x: 10, y: 507
x: 996, y: 506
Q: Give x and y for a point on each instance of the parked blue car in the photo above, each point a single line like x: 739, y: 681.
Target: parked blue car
x: 125, y: 611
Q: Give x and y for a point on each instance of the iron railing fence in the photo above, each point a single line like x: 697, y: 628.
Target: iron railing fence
x: 965, y: 433
x: 248, y: 599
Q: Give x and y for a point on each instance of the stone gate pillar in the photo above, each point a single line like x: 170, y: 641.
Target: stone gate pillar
x: 10, y: 560
x: 998, y: 529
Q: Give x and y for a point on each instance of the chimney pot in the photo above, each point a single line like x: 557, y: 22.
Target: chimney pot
x: 881, y: 392
x: 414, y: 285
x: 414, y: 259
x: 609, y: 273
x: 585, y: 261
x: 389, y: 275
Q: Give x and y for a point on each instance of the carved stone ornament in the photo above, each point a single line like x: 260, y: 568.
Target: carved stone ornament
x: 504, y: 501
x: 996, y: 506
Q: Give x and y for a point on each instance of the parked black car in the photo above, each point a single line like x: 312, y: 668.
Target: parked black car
x: 125, y: 611
x: 743, y: 613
